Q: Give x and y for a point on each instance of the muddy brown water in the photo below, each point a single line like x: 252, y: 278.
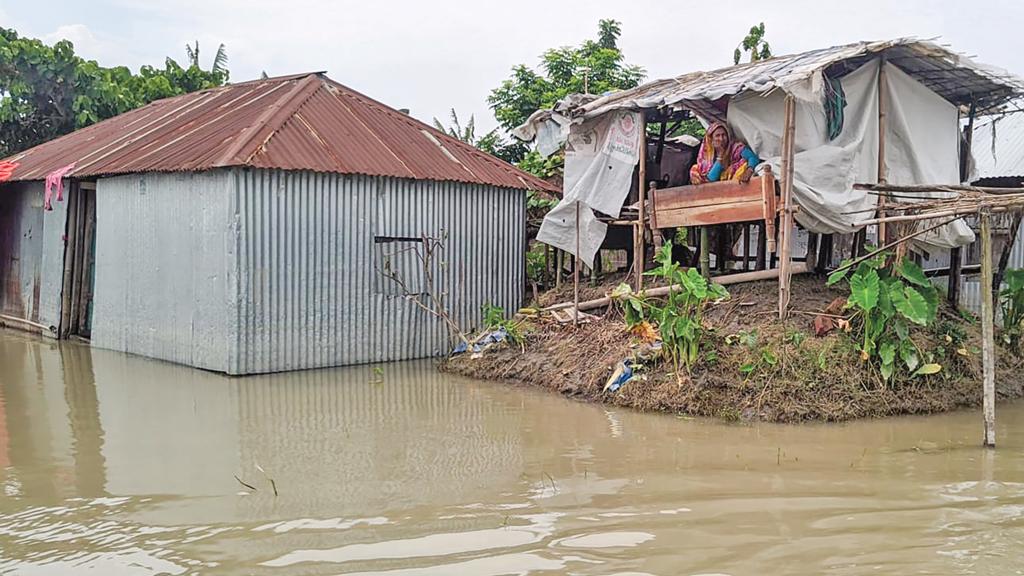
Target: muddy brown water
x: 125, y: 466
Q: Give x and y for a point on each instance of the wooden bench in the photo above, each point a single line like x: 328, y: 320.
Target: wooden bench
x: 718, y: 203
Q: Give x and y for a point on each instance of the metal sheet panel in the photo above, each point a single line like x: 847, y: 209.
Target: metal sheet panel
x: 308, y: 288
x: 31, y: 254
x: 163, y: 247
x: 304, y: 122
x: 998, y: 146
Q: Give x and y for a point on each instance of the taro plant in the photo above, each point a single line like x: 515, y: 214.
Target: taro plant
x: 494, y: 319
x: 680, y: 320
x: 887, y: 298
x: 1011, y: 304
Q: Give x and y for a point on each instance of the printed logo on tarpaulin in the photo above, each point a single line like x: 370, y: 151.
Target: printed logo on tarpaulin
x: 623, y: 138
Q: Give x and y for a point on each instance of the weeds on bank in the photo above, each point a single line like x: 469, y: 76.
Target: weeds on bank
x: 679, y: 319
x: 887, y: 298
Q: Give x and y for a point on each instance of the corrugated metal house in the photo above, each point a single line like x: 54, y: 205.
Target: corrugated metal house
x: 259, y: 227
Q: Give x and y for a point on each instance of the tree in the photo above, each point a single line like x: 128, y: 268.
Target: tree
x: 754, y: 43
x: 596, y: 67
x: 48, y: 91
x: 492, y: 142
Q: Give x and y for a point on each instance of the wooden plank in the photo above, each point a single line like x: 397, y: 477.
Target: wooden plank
x: 712, y: 215
x: 987, y: 331
x: 713, y: 194
x: 70, y: 234
x: 88, y: 201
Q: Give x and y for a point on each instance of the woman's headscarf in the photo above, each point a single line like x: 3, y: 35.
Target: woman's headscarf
x: 734, y: 164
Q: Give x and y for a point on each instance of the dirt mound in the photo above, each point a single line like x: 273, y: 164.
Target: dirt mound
x: 753, y: 366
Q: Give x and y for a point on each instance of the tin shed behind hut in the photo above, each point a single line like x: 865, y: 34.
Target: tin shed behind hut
x: 260, y: 227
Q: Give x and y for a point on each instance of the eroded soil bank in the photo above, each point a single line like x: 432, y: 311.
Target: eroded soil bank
x: 753, y: 367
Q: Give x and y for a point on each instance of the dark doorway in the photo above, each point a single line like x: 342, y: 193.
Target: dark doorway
x: 79, y: 262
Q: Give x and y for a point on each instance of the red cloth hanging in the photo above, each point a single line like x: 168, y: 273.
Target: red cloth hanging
x: 6, y: 170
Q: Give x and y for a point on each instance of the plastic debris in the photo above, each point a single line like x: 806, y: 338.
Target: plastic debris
x: 482, y: 342
x: 622, y: 374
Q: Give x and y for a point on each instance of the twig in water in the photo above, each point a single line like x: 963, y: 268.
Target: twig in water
x: 552, y: 480
x: 265, y: 475
x: 249, y: 486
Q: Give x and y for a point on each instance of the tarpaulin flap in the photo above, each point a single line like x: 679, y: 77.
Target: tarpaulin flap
x: 599, y: 158
x: 921, y: 148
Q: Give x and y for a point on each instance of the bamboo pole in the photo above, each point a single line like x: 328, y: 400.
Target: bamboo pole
x: 860, y: 259
x: 797, y: 268
x: 639, y: 230
x: 576, y: 272
x: 559, y: 263
x: 786, y: 227
x: 955, y: 269
x: 1004, y: 255
x: 883, y: 85
x: 988, y: 331
x: 952, y: 188
x: 705, y: 252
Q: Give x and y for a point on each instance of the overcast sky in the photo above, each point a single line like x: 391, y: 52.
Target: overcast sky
x: 430, y: 56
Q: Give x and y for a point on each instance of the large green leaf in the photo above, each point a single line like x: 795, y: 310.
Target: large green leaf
x: 887, y: 352
x: 908, y: 354
x: 913, y: 273
x: 864, y: 289
x: 911, y: 304
x: 838, y: 274
x: 928, y: 369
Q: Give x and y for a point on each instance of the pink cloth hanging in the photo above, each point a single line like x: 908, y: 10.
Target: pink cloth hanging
x: 56, y: 178
x: 6, y: 170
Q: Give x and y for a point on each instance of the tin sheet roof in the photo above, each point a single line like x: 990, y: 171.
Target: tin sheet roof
x: 953, y: 76
x: 998, y: 146
x: 300, y: 122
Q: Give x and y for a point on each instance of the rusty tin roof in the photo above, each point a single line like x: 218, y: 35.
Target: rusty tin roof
x: 299, y: 122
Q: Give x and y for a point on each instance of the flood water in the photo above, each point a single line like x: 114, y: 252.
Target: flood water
x: 121, y: 465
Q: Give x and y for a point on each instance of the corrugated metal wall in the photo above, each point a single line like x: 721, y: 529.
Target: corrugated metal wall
x: 163, y: 248
x: 308, y: 279
x: 31, y: 254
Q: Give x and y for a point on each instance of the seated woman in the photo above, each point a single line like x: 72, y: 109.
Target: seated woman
x: 722, y: 158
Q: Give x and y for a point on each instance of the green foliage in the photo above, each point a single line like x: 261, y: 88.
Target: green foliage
x: 755, y: 44
x: 492, y: 142
x: 1011, y: 303
x: 494, y: 318
x: 886, y: 299
x: 535, y: 262
x: 540, y: 166
x: 596, y: 66
x: 680, y: 321
x: 48, y: 91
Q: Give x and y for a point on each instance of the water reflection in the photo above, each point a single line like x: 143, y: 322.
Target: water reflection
x: 129, y: 466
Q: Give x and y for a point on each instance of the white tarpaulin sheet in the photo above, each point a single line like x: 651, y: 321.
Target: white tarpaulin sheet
x: 599, y: 158
x: 921, y: 148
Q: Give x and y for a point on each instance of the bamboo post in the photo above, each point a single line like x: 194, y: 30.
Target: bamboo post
x: 639, y: 229
x: 953, y: 289
x: 705, y: 253
x: 559, y: 264
x: 987, y: 330
x: 1004, y: 255
x: 762, y: 246
x: 786, y: 227
x: 883, y: 85
x: 576, y: 272
x: 746, y: 247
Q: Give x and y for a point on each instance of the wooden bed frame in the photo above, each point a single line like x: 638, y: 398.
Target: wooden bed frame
x: 718, y: 203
